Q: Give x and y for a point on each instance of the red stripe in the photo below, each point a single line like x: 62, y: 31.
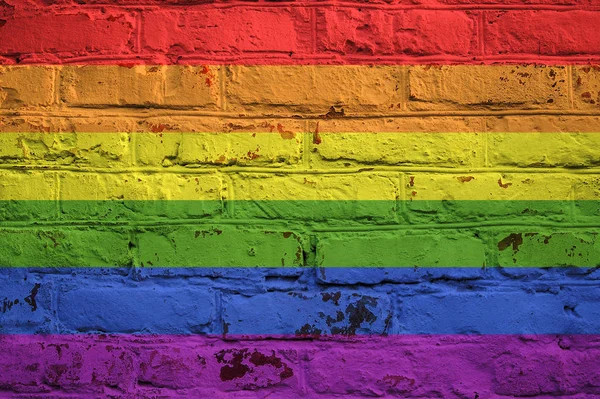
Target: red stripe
x: 286, y: 34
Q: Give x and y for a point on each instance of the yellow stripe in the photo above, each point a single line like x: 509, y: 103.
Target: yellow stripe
x: 201, y: 166
x: 283, y: 150
x: 280, y: 185
x: 47, y: 185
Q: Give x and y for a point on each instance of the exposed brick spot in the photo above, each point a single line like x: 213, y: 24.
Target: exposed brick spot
x: 333, y: 113
x: 514, y: 240
x: 316, y: 137
x: 285, y: 134
x: 308, y: 330
x: 252, y: 370
x: 335, y: 297
x: 158, y: 128
x: 31, y: 298
x: 503, y: 185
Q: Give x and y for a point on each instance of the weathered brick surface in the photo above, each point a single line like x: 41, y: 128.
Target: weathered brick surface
x: 71, y: 33
x: 310, y: 89
x: 522, y: 87
x: 320, y: 178
x: 541, y: 32
x: 381, y: 32
x: 388, y: 31
x: 205, y: 31
x: 398, y: 366
x: 26, y: 87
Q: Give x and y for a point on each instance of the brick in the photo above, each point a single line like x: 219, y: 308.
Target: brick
x: 373, y: 32
x: 25, y: 87
x: 499, y: 211
x: 28, y: 185
x: 192, y: 86
x: 472, y: 87
x: 586, y: 90
x: 552, y: 376
x: 402, y: 367
x: 407, y: 149
x: 400, y: 249
x: 457, y: 198
x: 312, y: 89
x: 165, y: 86
x: 111, y: 86
x: 588, y: 187
x: 488, y: 186
x: 218, y: 149
x: 241, y: 149
x: 227, y: 31
x: 69, y: 34
x: 33, y: 187
x: 482, y: 197
x: 365, y: 186
x: 139, y: 186
x: 541, y: 33
x: 95, y: 306
x: 48, y: 362
x: 25, y: 303
x: 326, y: 313
x: 139, y: 196
x: 171, y: 369
x: 484, y: 310
x: 218, y: 246
x: 64, y: 247
x: 359, y: 197
x: 547, y: 150
x: 552, y: 248
x: 81, y: 149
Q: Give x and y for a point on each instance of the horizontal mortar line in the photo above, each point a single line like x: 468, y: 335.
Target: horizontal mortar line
x: 509, y: 57
x: 391, y: 59
x: 333, y: 4
x: 499, y: 283
x: 112, y: 112
x: 308, y: 227
x: 66, y: 59
x: 226, y: 170
x: 464, y: 225
x: 216, y: 58
x: 474, y: 7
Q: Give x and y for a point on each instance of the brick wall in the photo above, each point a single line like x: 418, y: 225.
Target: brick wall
x: 342, y: 136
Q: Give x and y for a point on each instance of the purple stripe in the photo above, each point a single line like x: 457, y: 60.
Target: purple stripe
x: 167, y: 366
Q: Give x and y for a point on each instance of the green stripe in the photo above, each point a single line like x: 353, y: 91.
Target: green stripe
x: 299, y: 233
x: 334, y: 211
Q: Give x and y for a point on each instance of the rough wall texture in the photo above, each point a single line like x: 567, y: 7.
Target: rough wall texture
x: 190, y: 31
x: 191, y: 177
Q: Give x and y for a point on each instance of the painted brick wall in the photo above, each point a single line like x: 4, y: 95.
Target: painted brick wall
x: 293, y: 146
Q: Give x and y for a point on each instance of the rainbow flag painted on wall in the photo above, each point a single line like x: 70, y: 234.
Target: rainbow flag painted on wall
x: 299, y: 200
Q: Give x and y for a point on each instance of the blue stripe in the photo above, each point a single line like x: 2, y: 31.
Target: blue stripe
x: 301, y: 301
